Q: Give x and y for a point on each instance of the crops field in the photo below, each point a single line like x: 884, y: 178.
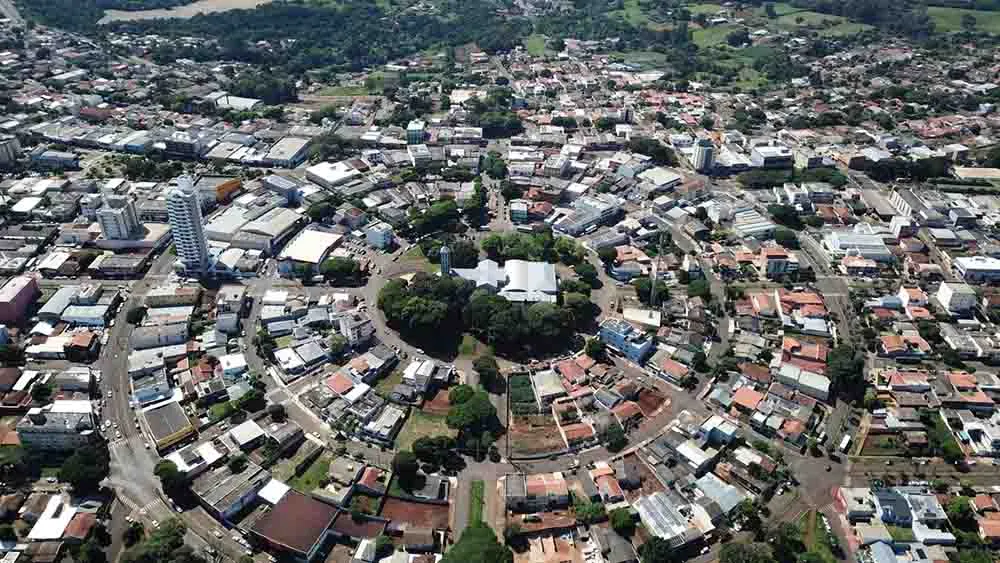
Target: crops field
x: 950, y: 19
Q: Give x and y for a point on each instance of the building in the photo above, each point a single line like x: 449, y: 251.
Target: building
x: 623, y: 337
x: 119, y: 219
x: 704, y: 155
x: 187, y: 225
x: 297, y: 525
x: 772, y: 156
x: 774, y: 262
x: 956, y: 297
x: 534, y: 493
x: 168, y: 424
x: 415, y: 132
x: 977, y: 269
x: 669, y: 517
x: 379, y: 235
x: 59, y: 426
x: 517, y: 280
x: 15, y: 297
x: 224, y: 493
x: 10, y: 150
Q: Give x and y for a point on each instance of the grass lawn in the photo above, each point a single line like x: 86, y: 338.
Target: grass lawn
x: 284, y: 341
x: 815, y: 537
x: 710, y: 36
x: 359, y: 90
x: 310, y: 478
x: 385, y: 385
x: 415, y: 258
x: 219, y: 411
x: 644, y: 59
x: 950, y: 19
x: 901, y: 534
x: 535, y: 45
x: 476, y: 501
x: 704, y: 8
x: 421, y: 424
x: 471, y: 347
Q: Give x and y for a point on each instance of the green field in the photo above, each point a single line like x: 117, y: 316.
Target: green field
x: 708, y: 9
x: 476, y: 501
x: 845, y: 28
x: 535, y: 45
x: 647, y: 60
x: 711, y: 36
x: 471, y: 347
x: 385, y: 385
x: 311, y: 477
x: 421, y: 424
x: 950, y: 19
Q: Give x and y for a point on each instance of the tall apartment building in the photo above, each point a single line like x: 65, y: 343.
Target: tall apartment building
x: 704, y: 155
x: 187, y: 226
x: 118, y: 218
x: 59, y: 426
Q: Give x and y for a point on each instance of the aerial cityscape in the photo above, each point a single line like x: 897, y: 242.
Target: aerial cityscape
x: 499, y: 281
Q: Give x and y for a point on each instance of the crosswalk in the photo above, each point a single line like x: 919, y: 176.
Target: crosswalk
x: 125, y: 444
x: 155, y: 509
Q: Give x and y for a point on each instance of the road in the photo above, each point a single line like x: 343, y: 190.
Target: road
x: 9, y: 11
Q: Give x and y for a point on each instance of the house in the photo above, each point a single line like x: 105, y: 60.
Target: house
x: 297, y: 525
x: 535, y: 493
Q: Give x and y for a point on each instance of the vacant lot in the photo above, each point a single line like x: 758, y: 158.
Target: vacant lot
x: 416, y: 513
x: 883, y: 445
x: 438, y: 405
x: 950, y: 19
x: 310, y: 479
x: 420, y: 424
x: 530, y: 435
x: 650, y: 400
x: 186, y: 11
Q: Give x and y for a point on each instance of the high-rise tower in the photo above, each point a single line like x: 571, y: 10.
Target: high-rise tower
x: 184, y: 211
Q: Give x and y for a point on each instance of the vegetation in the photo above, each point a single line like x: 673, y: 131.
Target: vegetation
x: 614, y: 437
x: 476, y: 421
x: 746, y: 552
x: 41, y: 393
x: 135, y: 315
x: 172, y: 481
x: 478, y: 543
x: 527, y: 246
x: 477, y: 500
x: 166, y: 543
x: 622, y: 521
x: 489, y: 373
x: 588, y: 512
x: 341, y: 271
x: 85, y: 469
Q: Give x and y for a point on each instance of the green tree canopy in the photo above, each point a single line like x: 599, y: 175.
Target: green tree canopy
x: 85, y: 469
x: 478, y: 543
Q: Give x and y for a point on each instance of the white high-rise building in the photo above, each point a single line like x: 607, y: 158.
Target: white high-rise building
x: 118, y: 218
x: 186, y: 224
x: 704, y: 155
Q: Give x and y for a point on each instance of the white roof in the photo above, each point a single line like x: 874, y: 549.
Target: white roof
x: 275, y: 297
x: 53, y: 521
x: 233, y: 361
x: 310, y: 246
x: 332, y: 173
x: 71, y: 406
x: 530, y: 281
x: 246, y: 432
x: 288, y: 359
x: 273, y: 491
x: 25, y: 205
x: 660, y: 176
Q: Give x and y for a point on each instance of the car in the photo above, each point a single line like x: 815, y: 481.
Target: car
x: 137, y: 426
x: 118, y: 435
x: 145, y: 445
x: 217, y: 534
x: 155, y: 524
x: 110, y: 393
x: 115, y: 425
x: 51, y: 480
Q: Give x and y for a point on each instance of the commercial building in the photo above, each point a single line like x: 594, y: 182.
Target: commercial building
x: 119, y: 219
x: 589, y: 212
x: 671, y: 518
x: 297, y: 525
x: 15, y: 297
x: 309, y: 248
x: 224, y: 493
x: 956, y: 297
x: 415, y: 132
x: 59, y: 426
x: 186, y: 222
x: 623, y: 337
x: 871, y: 246
x: 168, y: 424
x: 379, y: 235
x: 977, y: 269
x: 331, y: 174
x: 773, y: 156
x: 704, y: 155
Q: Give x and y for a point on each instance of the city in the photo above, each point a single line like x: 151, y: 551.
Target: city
x: 421, y: 281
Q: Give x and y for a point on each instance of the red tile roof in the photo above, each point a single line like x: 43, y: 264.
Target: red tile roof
x: 747, y: 398
x: 296, y: 523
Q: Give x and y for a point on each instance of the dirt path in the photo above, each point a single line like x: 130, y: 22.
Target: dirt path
x: 809, y: 538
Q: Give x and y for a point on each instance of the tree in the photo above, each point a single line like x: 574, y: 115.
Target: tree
x: 588, y: 512
x: 135, y: 315
x: 969, y: 22
x: 643, y: 290
x: 786, y: 541
x: 473, y: 416
x: 960, y: 513
x: 166, y: 543
x: 587, y: 272
x: 238, y: 463
x: 406, y: 468
x: 383, y: 546
x: 460, y: 394
x: 747, y: 513
x: 660, y: 153
x: 614, y: 437
x: 810, y: 557
x: 751, y: 552
x: 133, y: 534
x: 433, y: 449
x: 738, y: 38
x: 595, y: 348
x: 769, y: 10
x: 582, y: 308
x: 91, y: 552
x: 172, y: 481
x: 7, y: 532
x: 700, y: 288
x: 41, y: 393
x: 338, y: 344
x: 786, y: 237
x: 85, y: 469
x: 608, y: 255
x: 657, y: 550
x: 478, y: 543
x: 489, y: 372
x: 700, y: 362
x: 341, y: 271
x: 622, y: 521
